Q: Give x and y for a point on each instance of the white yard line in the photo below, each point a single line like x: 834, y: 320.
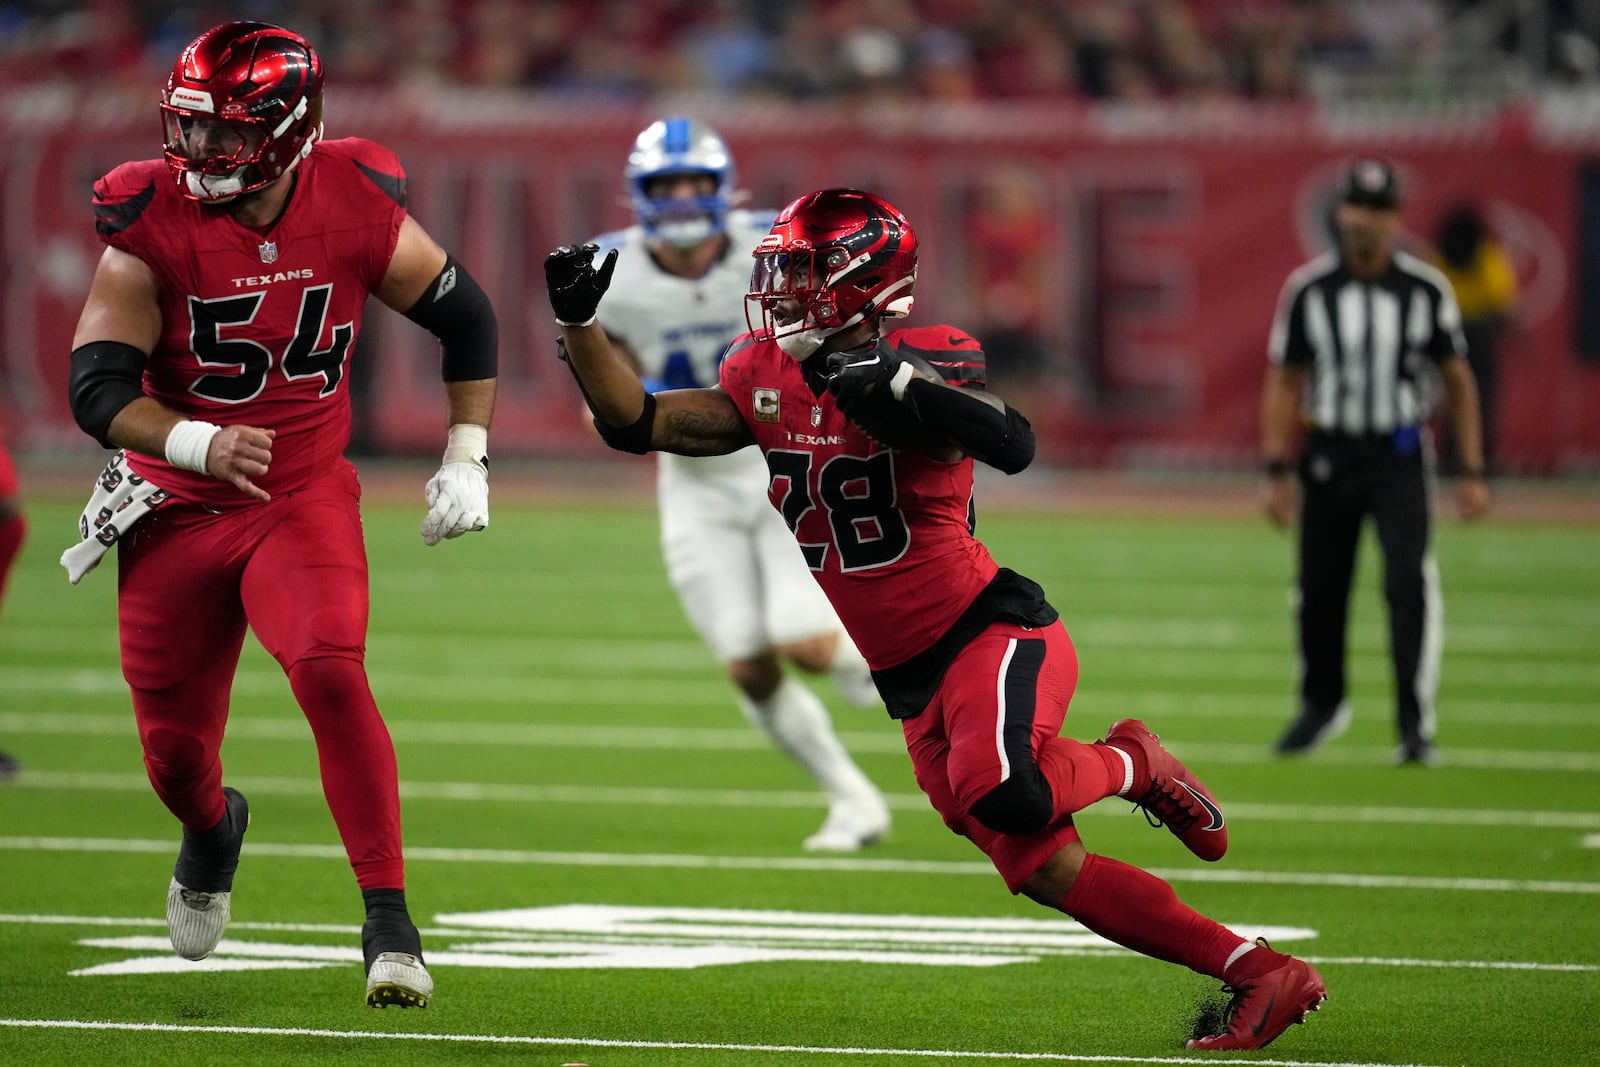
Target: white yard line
x: 651, y: 690
x: 448, y: 932
x: 742, y: 739
x: 1164, y: 633
x: 644, y: 797
x: 532, y: 857
x: 1469, y: 965
x: 943, y: 1055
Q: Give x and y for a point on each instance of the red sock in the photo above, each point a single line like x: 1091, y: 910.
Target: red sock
x: 1080, y: 774
x: 1137, y: 910
x: 359, y: 777
x: 11, y: 535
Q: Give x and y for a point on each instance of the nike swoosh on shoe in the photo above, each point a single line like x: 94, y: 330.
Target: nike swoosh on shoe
x: 1205, y: 802
x: 1256, y: 1028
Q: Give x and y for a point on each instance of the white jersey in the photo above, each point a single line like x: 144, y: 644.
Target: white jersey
x: 678, y: 328
x: 737, y: 570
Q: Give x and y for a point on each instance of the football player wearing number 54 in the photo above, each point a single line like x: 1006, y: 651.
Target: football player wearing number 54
x: 212, y: 353
x: 870, y: 437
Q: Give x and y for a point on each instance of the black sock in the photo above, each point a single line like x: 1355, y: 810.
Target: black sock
x: 388, y: 927
x: 208, y: 859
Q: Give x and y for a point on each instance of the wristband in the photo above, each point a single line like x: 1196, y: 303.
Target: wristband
x: 590, y: 321
x: 468, y: 444
x: 902, y: 378
x: 188, y: 444
x: 1276, y: 468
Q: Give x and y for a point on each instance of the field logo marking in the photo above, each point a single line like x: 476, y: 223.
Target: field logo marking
x: 601, y: 936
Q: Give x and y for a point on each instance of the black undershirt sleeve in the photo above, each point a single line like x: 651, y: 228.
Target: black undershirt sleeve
x: 457, y: 311
x: 105, y: 377
x: 1001, y: 438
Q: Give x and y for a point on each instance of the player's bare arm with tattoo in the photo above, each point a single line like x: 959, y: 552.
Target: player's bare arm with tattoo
x: 689, y: 422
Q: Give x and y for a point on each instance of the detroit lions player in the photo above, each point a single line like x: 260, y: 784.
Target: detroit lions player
x: 677, y: 300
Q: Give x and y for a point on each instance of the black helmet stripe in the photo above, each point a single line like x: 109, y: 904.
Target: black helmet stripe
x: 295, y: 74
x: 878, y: 227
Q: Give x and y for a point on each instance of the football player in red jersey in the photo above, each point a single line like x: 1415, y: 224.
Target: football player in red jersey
x: 13, y: 528
x: 212, y: 352
x: 870, y: 437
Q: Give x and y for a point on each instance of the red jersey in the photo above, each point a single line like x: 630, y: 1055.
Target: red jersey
x: 258, y: 324
x: 887, y: 533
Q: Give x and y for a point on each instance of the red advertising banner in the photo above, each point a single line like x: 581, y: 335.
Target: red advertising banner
x: 1121, y: 268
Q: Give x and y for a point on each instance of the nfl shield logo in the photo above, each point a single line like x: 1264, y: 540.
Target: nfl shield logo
x: 269, y: 251
x: 816, y: 415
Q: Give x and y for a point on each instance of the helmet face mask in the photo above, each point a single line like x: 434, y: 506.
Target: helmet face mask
x: 671, y: 148
x: 832, y: 260
x: 242, y: 108
x: 211, y: 145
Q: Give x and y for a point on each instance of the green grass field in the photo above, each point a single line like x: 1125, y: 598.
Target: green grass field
x: 606, y: 864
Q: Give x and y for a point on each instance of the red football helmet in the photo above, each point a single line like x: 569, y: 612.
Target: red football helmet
x: 242, y: 108
x: 833, y: 259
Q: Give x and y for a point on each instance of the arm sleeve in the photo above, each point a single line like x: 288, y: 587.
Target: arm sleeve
x: 456, y: 311
x: 998, y: 436
x: 105, y: 377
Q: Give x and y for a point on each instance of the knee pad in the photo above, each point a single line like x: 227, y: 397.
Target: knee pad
x: 333, y: 677
x: 174, y: 755
x: 1022, y: 804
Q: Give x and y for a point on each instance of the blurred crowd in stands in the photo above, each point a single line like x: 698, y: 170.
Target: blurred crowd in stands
x: 820, y: 49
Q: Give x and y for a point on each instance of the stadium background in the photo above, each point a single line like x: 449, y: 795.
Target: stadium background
x: 1110, y: 193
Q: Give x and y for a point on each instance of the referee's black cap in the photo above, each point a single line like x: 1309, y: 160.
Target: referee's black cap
x: 1370, y: 182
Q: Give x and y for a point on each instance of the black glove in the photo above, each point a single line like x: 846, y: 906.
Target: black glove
x: 859, y: 381
x: 859, y: 373
x: 575, y: 285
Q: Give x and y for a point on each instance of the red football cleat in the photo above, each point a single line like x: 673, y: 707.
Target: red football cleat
x: 1268, y: 1004
x: 1169, y: 792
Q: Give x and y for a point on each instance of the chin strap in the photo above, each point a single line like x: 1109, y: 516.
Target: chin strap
x: 800, y: 346
x: 214, y: 190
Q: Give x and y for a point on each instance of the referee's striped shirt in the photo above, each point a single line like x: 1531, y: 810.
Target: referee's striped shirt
x: 1363, y: 343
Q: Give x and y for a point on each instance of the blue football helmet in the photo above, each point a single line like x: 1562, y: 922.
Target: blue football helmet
x: 680, y: 146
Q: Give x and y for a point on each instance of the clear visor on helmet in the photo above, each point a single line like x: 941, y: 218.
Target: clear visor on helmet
x: 789, y: 294
x: 210, y: 144
x: 795, y: 276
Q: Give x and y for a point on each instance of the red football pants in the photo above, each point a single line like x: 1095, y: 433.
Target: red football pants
x: 295, y: 570
x: 1001, y: 703
x: 13, y: 526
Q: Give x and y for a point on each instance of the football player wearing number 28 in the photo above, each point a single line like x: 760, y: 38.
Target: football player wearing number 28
x: 870, y: 438
x: 212, y: 353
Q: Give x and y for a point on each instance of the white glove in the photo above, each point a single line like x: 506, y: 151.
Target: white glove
x: 458, y: 495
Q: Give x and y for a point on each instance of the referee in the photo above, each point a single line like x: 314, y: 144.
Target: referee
x: 1349, y: 347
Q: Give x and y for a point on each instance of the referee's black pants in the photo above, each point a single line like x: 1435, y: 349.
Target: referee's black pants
x: 1343, y: 480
